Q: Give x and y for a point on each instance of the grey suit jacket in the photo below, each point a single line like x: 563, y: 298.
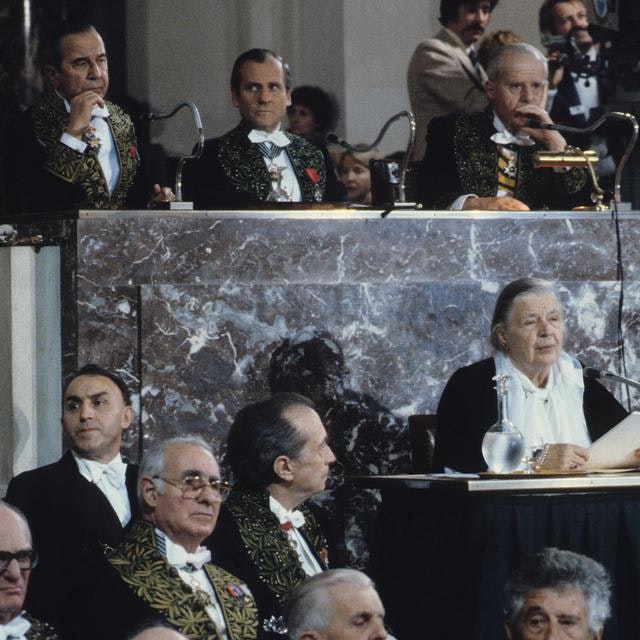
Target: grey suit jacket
x: 442, y: 80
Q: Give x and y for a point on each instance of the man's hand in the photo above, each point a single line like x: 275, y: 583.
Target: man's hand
x: 568, y: 457
x: 501, y: 203
x: 556, y: 69
x: 80, y: 115
x: 551, y: 140
x: 161, y: 194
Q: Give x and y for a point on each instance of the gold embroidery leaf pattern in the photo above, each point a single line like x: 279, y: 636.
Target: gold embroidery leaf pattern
x: 277, y: 562
x: 40, y: 630
x: 49, y: 120
x: 143, y: 569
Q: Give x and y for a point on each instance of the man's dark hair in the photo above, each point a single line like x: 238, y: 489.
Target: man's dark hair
x: 449, y: 9
x: 260, y: 434
x: 545, y: 16
x: 96, y: 370
x: 322, y: 105
x: 49, y: 49
x: 257, y: 55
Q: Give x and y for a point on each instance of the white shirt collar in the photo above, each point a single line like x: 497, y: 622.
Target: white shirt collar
x: 503, y: 136
x: 276, y: 137
x: 93, y: 470
x: 295, y: 517
x: 16, y: 628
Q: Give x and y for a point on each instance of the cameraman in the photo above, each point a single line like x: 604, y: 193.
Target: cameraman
x: 574, y: 96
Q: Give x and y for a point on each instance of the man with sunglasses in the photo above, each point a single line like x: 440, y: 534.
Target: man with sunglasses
x: 159, y: 572
x: 267, y: 534
x: 85, y: 498
x: 17, y: 558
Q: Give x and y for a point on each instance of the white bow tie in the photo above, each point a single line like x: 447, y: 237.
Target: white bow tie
x: 16, y: 628
x: 115, y: 474
x: 295, y: 518
x: 275, y: 137
x: 182, y: 559
x: 506, y: 137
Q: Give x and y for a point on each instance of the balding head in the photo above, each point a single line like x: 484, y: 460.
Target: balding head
x: 15, y: 549
x: 158, y: 633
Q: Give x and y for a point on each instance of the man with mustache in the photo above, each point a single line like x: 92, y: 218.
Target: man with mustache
x: 444, y: 75
x: 159, y: 573
x: 268, y: 535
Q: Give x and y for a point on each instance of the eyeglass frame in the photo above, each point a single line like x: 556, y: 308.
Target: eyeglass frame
x: 8, y: 556
x: 221, y: 488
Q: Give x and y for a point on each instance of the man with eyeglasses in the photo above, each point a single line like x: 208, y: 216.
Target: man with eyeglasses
x: 17, y: 558
x: 85, y: 498
x: 485, y: 160
x: 267, y: 535
x: 159, y: 572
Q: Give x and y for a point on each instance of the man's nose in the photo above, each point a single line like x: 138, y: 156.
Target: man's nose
x: 86, y: 411
x: 12, y: 572
x: 331, y: 458
x: 94, y: 70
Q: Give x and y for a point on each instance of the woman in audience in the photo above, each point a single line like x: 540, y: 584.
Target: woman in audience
x: 313, y: 113
x: 354, y: 173
x: 549, y: 401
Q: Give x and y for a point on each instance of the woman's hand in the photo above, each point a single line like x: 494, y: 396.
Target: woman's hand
x: 565, y: 457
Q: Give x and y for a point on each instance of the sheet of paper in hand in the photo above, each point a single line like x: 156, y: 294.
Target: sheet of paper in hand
x: 614, y: 450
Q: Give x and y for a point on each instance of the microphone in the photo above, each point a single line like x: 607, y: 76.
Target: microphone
x: 597, y: 374
x: 536, y: 124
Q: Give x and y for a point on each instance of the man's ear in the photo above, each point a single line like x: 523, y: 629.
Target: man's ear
x: 288, y: 103
x: 127, y: 417
x: 599, y: 633
x: 490, y: 89
x: 234, y: 98
x: 148, y: 492
x: 282, y: 468
x: 51, y: 75
x: 507, y: 628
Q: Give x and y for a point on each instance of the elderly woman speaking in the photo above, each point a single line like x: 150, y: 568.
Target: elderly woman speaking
x: 549, y: 400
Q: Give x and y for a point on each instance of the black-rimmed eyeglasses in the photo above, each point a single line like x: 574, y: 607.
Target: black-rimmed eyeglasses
x: 26, y: 559
x: 193, y: 486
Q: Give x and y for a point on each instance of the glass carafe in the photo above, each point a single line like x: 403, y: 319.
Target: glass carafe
x: 503, y: 444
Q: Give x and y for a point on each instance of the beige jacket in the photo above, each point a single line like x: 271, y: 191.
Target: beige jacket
x: 442, y: 80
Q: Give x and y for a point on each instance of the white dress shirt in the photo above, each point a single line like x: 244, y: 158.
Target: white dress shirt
x: 107, y: 154
x: 307, y: 559
x: 15, y: 629
x: 289, y: 180
x: 111, y: 480
x: 197, y: 579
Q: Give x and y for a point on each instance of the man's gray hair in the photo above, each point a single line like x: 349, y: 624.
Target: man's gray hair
x: 498, y: 61
x: 152, y: 463
x: 310, y: 607
x: 18, y: 512
x: 557, y: 569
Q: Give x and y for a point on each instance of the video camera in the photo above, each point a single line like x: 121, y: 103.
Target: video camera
x: 571, y: 56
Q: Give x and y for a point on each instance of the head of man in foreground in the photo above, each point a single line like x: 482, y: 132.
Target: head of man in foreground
x: 17, y: 558
x: 339, y: 604
x: 557, y: 594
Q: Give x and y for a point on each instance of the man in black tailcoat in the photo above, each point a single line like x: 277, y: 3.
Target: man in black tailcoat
x: 85, y: 498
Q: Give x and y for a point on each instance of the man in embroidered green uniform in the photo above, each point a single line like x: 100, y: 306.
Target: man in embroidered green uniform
x: 246, y: 164
x: 485, y: 160
x: 280, y: 457
x: 74, y: 148
x: 159, y: 572
x: 17, y: 558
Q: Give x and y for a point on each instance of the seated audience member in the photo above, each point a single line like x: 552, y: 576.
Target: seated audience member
x: 158, y: 632
x: 159, y: 573
x: 340, y: 604
x: 484, y: 160
x: 241, y: 167
x: 366, y: 437
x: 74, y: 148
x: 278, y: 452
x: 549, y: 400
x: 313, y: 113
x: 444, y: 75
x: 493, y: 42
x: 557, y: 594
x: 17, y: 559
x: 354, y: 173
x: 85, y: 498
